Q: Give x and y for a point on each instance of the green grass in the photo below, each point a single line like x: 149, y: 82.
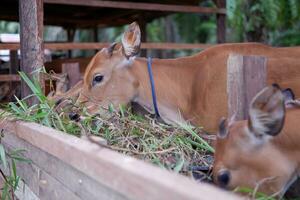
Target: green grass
x: 254, y: 194
x: 9, y: 171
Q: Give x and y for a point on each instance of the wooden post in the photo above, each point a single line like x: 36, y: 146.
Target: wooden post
x: 246, y: 76
x: 143, y: 27
x: 14, y: 62
x: 31, y: 35
x: 13, y: 69
x: 70, y: 35
x: 221, y: 22
x: 95, y: 35
x: 73, y: 71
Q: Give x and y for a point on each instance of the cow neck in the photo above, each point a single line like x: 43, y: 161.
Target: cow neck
x: 166, y: 98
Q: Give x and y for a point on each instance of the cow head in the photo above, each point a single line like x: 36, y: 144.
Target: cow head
x: 246, y: 155
x: 108, y: 78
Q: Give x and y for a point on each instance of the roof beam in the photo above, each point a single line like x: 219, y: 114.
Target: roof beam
x: 139, y: 6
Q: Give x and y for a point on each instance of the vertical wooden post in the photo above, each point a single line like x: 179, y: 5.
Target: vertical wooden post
x: 13, y: 69
x: 70, y: 35
x: 143, y: 27
x: 246, y: 76
x: 221, y: 22
x: 95, y: 34
x: 73, y: 71
x: 31, y: 35
x: 14, y: 61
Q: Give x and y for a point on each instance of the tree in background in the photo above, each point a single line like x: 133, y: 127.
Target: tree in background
x: 275, y: 22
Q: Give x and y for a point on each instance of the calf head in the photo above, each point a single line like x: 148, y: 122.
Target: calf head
x: 108, y: 78
x: 245, y: 153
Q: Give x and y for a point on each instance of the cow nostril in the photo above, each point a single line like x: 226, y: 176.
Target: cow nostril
x: 223, y: 178
x: 74, y: 116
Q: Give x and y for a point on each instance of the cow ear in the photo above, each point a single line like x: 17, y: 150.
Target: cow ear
x: 288, y: 95
x: 131, y: 40
x: 267, y: 112
x: 223, y: 128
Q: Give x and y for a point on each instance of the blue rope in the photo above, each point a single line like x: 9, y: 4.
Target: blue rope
x: 149, y: 65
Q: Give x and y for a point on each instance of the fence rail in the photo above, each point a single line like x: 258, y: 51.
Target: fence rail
x: 97, y: 45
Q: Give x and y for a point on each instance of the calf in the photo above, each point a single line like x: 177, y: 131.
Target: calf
x: 263, y: 151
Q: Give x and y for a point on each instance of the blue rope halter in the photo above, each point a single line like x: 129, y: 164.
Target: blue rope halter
x: 149, y: 65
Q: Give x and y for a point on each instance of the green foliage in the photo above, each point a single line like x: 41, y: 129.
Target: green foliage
x: 254, y: 194
x: 42, y: 113
x: 155, y: 31
x: 196, y: 29
x: 11, y: 181
x: 276, y: 22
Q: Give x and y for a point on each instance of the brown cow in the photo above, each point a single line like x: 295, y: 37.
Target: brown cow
x: 262, y: 152
x: 189, y: 88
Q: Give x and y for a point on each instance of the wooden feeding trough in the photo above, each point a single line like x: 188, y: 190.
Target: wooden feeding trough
x: 67, y: 167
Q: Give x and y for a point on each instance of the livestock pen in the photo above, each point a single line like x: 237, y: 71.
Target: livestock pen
x: 113, y: 163
x: 45, y: 163
x: 66, y: 167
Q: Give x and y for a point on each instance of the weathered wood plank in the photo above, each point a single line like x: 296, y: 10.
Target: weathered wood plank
x: 9, y: 77
x: 29, y: 172
x: 31, y: 37
x: 246, y: 76
x: 139, y: 6
x: 66, y: 176
x: 51, y: 189
x: 23, y: 192
x: 132, y: 178
x: 15, y: 77
x: 92, y: 45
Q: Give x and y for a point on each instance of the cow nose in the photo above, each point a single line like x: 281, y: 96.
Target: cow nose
x: 223, y: 178
x: 74, y: 116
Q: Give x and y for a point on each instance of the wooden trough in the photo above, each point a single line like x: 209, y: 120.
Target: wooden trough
x: 67, y: 167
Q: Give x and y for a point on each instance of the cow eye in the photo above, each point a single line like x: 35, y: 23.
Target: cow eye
x: 97, y: 79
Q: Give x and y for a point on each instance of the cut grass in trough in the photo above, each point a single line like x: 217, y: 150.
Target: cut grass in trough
x: 180, y: 149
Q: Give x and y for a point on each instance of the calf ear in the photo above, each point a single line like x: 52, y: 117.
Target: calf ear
x: 267, y: 112
x: 223, y: 128
x: 288, y: 95
x: 131, y: 40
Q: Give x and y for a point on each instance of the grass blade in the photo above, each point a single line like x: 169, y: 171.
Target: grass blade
x: 3, y: 156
